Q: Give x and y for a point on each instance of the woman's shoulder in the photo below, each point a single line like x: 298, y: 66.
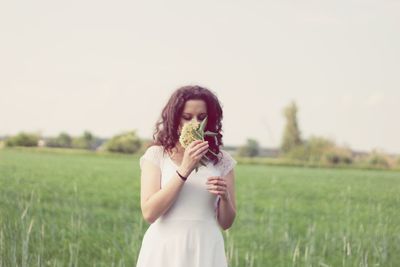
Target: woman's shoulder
x: 154, y: 154
x: 154, y: 149
x: 226, y: 162
x: 225, y: 155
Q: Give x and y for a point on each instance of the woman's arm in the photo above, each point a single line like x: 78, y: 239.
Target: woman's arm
x: 225, y: 188
x: 155, y: 201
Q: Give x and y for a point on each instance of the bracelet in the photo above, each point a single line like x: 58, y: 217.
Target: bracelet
x: 182, y: 177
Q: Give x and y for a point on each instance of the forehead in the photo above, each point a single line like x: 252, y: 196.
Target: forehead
x: 195, y: 106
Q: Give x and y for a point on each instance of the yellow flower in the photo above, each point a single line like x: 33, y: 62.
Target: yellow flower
x: 189, y: 133
x: 193, y: 131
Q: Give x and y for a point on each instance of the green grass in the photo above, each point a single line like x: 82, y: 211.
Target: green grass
x: 73, y: 208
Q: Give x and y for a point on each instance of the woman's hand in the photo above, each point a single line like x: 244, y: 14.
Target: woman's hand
x: 217, y: 185
x: 193, y: 154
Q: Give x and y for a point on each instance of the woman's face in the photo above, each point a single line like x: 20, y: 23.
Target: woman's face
x: 193, y: 109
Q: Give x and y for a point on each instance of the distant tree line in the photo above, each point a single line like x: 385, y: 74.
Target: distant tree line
x: 294, y: 149
x: 127, y: 142
x: 317, y: 150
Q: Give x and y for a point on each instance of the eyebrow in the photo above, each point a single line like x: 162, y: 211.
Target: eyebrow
x: 192, y: 114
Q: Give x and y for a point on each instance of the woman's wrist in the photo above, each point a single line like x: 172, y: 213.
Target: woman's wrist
x: 184, y: 171
x: 184, y: 178
x: 225, y: 197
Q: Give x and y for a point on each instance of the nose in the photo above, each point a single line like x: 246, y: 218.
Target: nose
x: 197, y: 119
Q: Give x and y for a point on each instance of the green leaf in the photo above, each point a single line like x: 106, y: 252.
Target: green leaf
x: 207, y: 158
x: 213, y: 153
x: 199, y: 135
x: 203, y: 125
x: 208, y: 133
x: 202, y: 162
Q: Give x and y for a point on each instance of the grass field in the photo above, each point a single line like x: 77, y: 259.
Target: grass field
x: 73, y: 208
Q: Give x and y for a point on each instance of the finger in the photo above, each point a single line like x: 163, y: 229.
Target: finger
x: 205, y: 150
x: 217, y: 192
x: 220, y: 188
x: 195, y: 142
x: 216, y: 189
x: 199, y: 153
x: 202, y: 153
x: 216, y: 180
x: 221, y: 183
x: 201, y: 150
x: 199, y: 144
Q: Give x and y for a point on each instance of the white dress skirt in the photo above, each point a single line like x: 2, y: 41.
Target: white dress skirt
x: 188, y: 234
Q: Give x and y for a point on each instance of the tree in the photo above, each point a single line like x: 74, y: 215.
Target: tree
x: 62, y: 140
x: 86, y: 141
x: 23, y: 139
x: 291, y: 135
x: 127, y: 142
x: 250, y: 149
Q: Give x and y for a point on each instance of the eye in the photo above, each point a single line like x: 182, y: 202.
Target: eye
x: 199, y: 118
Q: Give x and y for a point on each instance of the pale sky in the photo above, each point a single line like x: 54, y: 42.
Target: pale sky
x: 110, y: 66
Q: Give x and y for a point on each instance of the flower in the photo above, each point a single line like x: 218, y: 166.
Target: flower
x: 193, y: 131
x: 189, y: 133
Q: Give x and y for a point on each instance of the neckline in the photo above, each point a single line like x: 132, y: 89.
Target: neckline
x: 173, y: 162
x: 170, y: 159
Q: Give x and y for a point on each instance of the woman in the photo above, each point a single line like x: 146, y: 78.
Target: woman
x: 186, y: 207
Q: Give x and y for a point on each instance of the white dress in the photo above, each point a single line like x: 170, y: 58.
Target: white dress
x: 188, y: 234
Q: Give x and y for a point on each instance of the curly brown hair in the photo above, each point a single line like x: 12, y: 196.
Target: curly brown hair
x: 165, y: 133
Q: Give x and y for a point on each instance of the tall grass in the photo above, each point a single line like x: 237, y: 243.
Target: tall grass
x: 82, y: 209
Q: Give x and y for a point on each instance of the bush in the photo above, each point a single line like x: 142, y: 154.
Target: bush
x: 378, y: 159
x: 337, y: 155
x: 250, y: 149
x: 23, y: 139
x: 127, y: 142
x: 62, y: 140
x: 312, y: 150
x: 86, y: 141
x: 299, y: 152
